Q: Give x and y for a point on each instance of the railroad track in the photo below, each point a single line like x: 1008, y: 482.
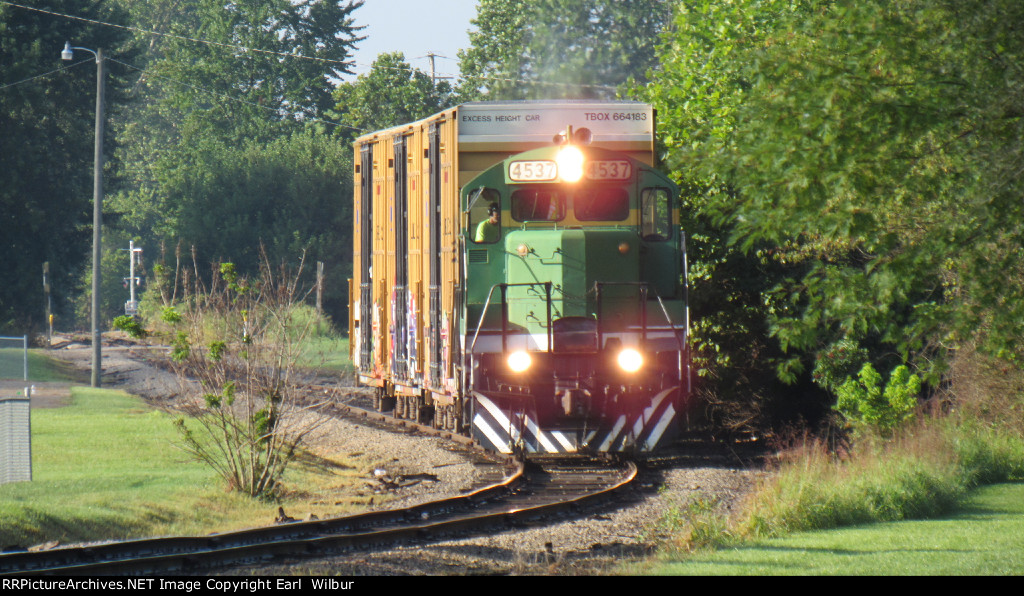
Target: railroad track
x: 364, y: 413
x: 525, y: 494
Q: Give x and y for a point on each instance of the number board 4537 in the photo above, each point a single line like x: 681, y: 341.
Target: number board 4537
x: 607, y: 170
x: 540, y: 170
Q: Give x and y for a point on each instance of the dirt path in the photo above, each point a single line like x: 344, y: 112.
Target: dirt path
x: 126, y: 365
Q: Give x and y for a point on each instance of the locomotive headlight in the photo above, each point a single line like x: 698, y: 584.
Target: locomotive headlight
x: 519, y: 361
x: 570, y: 163
x: 630, y: 360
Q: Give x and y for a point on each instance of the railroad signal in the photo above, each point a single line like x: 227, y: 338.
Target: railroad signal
x: 131, y: 282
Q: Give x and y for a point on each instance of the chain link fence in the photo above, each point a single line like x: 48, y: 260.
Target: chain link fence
x: 15, y: 411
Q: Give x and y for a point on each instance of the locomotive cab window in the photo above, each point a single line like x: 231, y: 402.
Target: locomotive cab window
x: 485, y: 216
x: 655, y: 214
x: 538, y: 204
x: 601, y: 204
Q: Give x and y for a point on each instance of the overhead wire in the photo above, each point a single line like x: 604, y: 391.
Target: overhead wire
x: 45, y: 74
x: 175, y: 36
x: 278, y: 111
x: 173, y: 80
x: 301, y: 56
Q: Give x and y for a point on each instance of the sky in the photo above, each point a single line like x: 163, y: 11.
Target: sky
x: 416, y: 28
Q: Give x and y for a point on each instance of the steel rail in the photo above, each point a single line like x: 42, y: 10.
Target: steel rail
x: 93, y: 558
x: 513, y: 501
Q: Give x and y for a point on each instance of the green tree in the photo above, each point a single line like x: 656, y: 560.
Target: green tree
x: 267, y: 63
x: 866, y: 404
x: 696, y: 90
x: 871, y: 146
x: 495, y: 64
x: 150, y: 129
x: 286, y: 197
x: 264, y: 70
x: 222, y: 154
x: 151, y: 19
x: 390, y: 94
x: 46, y: 151
x: 560, y: 48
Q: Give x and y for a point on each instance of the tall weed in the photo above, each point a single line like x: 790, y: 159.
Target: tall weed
x: 692, y: 525
x: 924, y: 471
x: 971, y: 434
x: 911, y: 476
x: 987, y: 454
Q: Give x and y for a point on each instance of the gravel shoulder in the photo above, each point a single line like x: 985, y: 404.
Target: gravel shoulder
x: 597, y: 543
x: 594, y: 543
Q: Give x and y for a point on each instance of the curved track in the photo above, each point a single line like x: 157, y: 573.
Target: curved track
x: 525, y: 494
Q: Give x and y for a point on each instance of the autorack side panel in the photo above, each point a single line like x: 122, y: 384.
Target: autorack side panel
x: 358, y: 265
x: 406, y: 208
x: 399, y: 329
x: 383, y: 253
x: 424, y: 214
x: 432, y: 265
x: 381, y: 203
x: 451, y: 242
x: 370, y: 248
x: 415, y: 185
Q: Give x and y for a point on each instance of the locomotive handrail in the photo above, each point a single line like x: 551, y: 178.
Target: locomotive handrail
x: 504, y: 312
x: 644, y: 288
x: 643, y: 306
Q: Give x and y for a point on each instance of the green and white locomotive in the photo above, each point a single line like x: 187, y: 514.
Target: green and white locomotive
x: 519, y: 277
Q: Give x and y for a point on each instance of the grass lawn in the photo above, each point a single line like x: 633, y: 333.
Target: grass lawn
x: 104, y: 466
x: 107, y: 467
x: 327, y: 355
x: 985, y: 537
x: 40, y: 367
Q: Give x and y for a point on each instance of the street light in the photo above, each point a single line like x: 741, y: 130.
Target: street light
x: 97, y: 208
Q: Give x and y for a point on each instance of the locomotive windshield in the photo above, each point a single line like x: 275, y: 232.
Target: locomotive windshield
x: 538, y: 203
x: 601, y: 204
x: 485, y: 226
x: 590, y: 203
x: 656, y: 214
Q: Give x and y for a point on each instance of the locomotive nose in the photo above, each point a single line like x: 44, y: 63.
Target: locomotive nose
x: 573, y: 260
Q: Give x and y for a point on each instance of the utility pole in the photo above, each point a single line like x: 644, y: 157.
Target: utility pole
x: 97, y: 223
x: 433, y: 77
x: 319, y: 287
x: 97, y: 208
x: 49, y: 309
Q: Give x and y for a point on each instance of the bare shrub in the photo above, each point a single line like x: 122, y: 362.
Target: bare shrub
x: 239, y: 339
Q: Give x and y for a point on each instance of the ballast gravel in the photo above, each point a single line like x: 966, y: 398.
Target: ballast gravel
x: 614, y: 539
x: 604, y: 541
